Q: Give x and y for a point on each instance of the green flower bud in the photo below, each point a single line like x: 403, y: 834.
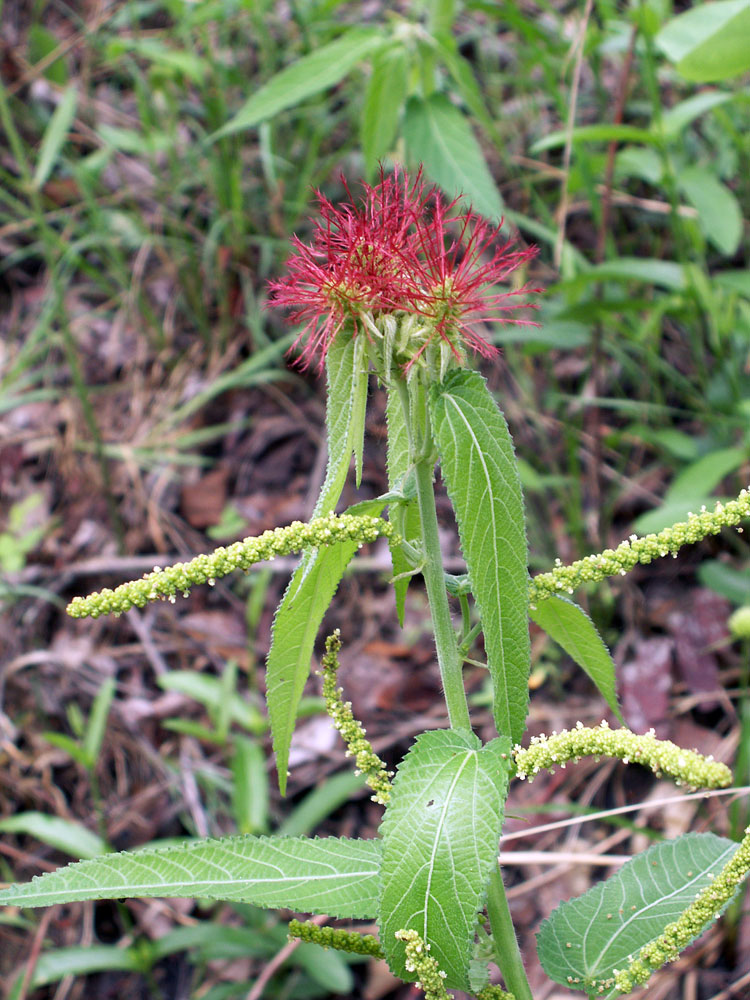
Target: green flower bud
x: 703, y: 911
x: 178, y: 579
x: 686, y: 767
x: 617, y: 562
x: 739, y: 623
x: 334, y: 937
x: 352, y: 732
x: 419, y: 962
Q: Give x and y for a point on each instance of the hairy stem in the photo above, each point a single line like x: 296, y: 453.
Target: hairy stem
x: 507, y: 954
x: 445, y: 636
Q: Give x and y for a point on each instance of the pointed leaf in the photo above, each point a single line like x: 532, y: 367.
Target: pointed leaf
x: 307, y: 76
x: 480, y: 472
x: 327, y: 875
x: 317, y: 577
x: 440, y: 836
x: 587, y: 938
x: 384, y: 98
x: 572, y: 628
x: 55, y: 136
x: 64, y: 835
x: 440, y: 137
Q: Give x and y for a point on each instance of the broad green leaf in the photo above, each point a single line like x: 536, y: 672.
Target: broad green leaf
x: 41, y: 44
x: 663, y: 273
x: 731, y: 583
x: 719, y: 213
x: 327, y: 875
x: 55, y: 136
x: 587, y: 938
x: 594, y: 133
x: 479, y: 468
x: 62, y: 834
x: 710, y: 41
x: 439, y: 136
x: 676, y: 118
x: 307, y: 76
x: 79, y: 960
x: 572, y: 628
x: 317, y: 577
x: 406, y: 515
x: 384, y: 98
x: 440, y: 837
x: 295, y: 627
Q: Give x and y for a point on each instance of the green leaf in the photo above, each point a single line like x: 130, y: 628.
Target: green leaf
x: 678, y: 117
x: 42, y: 43
x: 55, y: 136
x: 327, y: 875
x: 317, y: 577
x: 710, y: 41
x: 440, y: 137
x: 479, y: 468
x: 97, y: 721
x: 734, y: 584
x: 307, y: 76
x: 586, y: 938
x: 594, y: 133
x: 62, y: 834
x: 463, y: 76
x: 719, y: 213
x: 52, y: 966
x: 440, y: 836
x: 384, y: 98
x: 572, y: 628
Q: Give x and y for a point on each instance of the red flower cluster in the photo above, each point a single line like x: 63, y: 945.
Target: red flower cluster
x: 402, y: 249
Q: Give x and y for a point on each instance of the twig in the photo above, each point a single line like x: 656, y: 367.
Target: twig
x: 277, y: 961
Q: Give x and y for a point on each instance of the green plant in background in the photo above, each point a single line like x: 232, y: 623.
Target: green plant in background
x: 396, y: 284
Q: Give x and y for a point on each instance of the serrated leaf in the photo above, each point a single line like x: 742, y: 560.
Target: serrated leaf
x: 307, y: 76
x: 710, y: 41
x: 479, y: 467
x: 384, y: 98
x: 406, y: 515
x: 572, y: 628
x: 317, y: 577
x: 586, y: 938
x: 440, y: 836
x: 719, y: 213
x: 330, y: 875
x: 440, y: 138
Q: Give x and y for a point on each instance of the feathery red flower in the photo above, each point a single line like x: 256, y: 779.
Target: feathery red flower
x: 394, y: 253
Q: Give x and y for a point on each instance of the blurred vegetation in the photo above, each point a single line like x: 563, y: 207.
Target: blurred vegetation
x: 156, y: 157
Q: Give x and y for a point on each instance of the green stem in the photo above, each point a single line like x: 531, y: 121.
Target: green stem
x: 445, y: 636
x: 507, y: 954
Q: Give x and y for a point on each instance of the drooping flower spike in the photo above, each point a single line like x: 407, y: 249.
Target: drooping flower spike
x: 401, y: 257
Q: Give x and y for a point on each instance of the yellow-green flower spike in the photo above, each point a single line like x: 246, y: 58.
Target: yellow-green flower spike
x: 686, y: 767
x: 178, y: 579
x: 676, y: 936
x: 334, y: 937
x: 617, y: 562
x: 352, y: 732
x: 738, y: 623
x: 494, y: 993
x: 420, y: 962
